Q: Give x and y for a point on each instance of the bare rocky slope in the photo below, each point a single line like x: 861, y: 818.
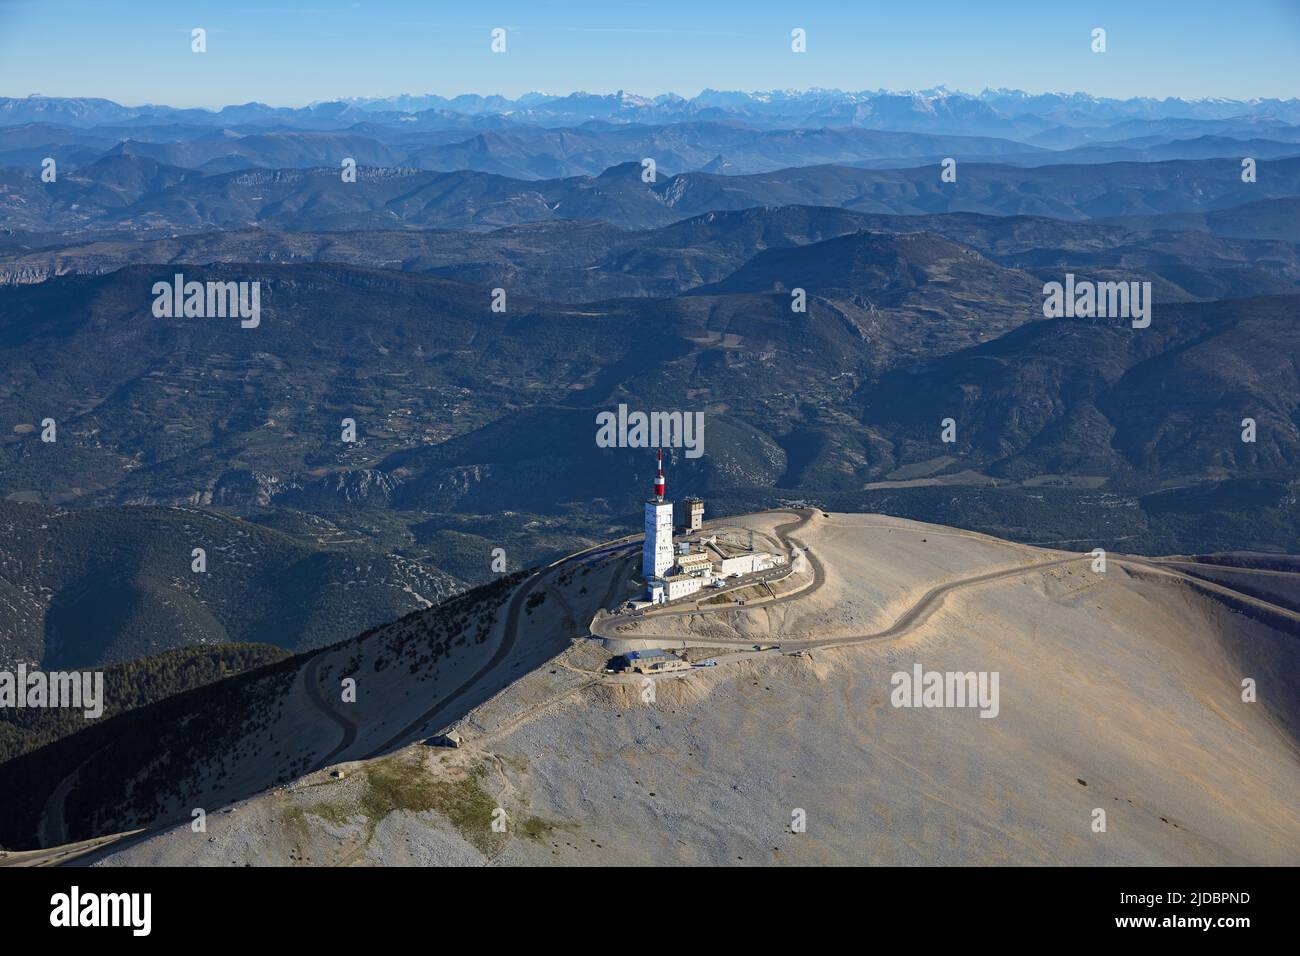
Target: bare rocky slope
x: 1118, y: 692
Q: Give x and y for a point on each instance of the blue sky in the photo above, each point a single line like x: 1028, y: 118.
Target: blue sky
x: 289, y: 53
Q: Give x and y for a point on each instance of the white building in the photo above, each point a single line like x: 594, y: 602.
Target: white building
x: 653, y: 661
x: 698, y: 563
x: 740, y: 564
x: 674, y: 586
x: 657, y: 552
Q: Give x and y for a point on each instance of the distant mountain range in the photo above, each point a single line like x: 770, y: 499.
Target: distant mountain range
x: 522, y: 153
x: 141, y: 197
x: 541, y: 138
x: 721, y: 148
x: 1243, y: 250
x: 990, y: 113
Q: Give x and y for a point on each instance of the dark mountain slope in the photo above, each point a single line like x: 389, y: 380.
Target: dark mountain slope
x: 920, y: 325
x: 131, y: 685
x: 134, y: 592
x: 1076, y: 397
x: 204, y: 411
x: 108, y: 196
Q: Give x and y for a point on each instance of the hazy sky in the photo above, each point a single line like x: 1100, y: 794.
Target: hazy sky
x: 289, y: 53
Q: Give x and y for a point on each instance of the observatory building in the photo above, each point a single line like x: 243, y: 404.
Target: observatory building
x: 668, y: 575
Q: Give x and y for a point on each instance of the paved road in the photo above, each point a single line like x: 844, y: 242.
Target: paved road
x: 54, y: 826
x: 509, y: 638
x: 311, y: 678
x: 58, y: 855
x: 1166, y: 568
x: 916, y: 614
x: 930, y: 601
x: 54, y: 829
x: 919, y: 612
x: 1208, y: 566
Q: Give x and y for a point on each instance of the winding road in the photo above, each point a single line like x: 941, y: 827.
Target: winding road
x: 919, y: 612
x: 509, y: 639
x: 311, y: 681
x: 913, y: 616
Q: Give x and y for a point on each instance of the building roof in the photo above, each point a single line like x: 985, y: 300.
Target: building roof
x: 645, y: 654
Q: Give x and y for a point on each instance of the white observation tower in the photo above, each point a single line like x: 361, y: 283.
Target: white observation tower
x: 657, y: 553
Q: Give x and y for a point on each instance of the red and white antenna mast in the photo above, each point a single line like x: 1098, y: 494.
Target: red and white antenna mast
x: 659, y: 479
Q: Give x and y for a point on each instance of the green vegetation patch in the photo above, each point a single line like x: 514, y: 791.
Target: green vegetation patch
x: 537, y: 829
x: 394, y: 785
